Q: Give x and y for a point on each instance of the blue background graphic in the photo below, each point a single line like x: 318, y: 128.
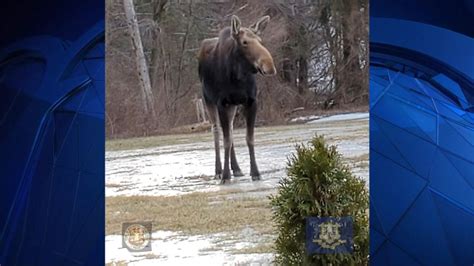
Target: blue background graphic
x: 52, y: 133
x: 422, y: 132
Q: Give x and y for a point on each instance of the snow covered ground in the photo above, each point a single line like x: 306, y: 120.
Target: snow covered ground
x: 340, y: 117
x: 184, y: 168
x: 172, y: 248
x: 177, y: 169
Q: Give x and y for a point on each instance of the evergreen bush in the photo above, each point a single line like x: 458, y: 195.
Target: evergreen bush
x: 319, y: 184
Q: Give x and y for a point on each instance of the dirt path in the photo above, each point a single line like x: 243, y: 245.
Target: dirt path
x: 179, y: 171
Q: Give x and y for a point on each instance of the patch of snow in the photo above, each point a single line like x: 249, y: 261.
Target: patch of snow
x: 305, y: 118
x: 173, y: 248
x: 342, y: 117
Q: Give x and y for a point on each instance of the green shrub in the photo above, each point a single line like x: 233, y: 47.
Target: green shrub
x: 318, y: 184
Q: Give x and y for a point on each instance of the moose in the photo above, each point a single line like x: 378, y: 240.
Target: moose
x: 227, y: 68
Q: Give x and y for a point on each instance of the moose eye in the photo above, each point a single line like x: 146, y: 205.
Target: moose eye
x: 244, y: 42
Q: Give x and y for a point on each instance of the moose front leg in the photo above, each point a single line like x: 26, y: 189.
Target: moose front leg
x: 250, y: 115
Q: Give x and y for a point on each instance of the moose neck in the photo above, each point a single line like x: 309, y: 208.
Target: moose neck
x: 234, y: 65
x: 240, y: 67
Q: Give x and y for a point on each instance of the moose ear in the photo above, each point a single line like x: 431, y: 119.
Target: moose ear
x: 235, y: 25
x: 260, y: 25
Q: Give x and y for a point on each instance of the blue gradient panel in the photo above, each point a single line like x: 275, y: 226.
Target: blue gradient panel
x: 422, y: 132
x: 52, y: 133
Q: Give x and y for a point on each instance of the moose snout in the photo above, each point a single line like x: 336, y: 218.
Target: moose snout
x: 270, y: 72
x: 267, y: 68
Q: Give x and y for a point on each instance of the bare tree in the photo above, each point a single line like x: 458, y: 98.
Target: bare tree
x: 142, y: 67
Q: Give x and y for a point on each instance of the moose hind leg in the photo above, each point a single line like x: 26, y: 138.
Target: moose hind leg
x: 233, y: 159
x: 218, y: 166
x: 233, y: 163
x: 212, y: 113
x: 250, y: 115
x: 225, y: 120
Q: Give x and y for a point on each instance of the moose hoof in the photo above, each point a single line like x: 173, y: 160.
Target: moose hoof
x: 225, y: 181
x: 238, y: 173
x: 218, y: 177
x: 256, y: 178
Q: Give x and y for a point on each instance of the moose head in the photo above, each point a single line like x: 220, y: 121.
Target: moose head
x: 250, y: 44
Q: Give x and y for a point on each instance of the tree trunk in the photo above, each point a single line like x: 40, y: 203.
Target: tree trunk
x: 158, y: 9
x: 142, y: 67
x: 302, y: 73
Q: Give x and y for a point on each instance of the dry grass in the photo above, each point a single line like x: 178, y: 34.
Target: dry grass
x: 196, y: 213
x: 154, y: 141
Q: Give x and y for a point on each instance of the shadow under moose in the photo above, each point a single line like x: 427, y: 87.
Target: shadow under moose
x: 227, y: 68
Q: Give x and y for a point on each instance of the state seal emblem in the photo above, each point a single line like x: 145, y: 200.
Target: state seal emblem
x: 326, y: 235
x: 136, y: 236
x: 329, y: 235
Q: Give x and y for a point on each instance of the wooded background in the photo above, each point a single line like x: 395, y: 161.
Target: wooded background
x: 320, y: 50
